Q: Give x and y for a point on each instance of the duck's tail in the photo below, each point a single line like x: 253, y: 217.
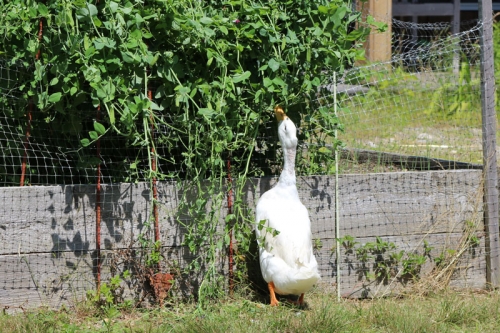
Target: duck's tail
x: 300, y: 280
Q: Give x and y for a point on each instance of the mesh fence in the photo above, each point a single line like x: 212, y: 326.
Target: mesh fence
x: 416, y: 121
x: 425, y: 101
x: 409, y: 189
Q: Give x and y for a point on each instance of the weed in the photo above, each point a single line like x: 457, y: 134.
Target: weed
x: 317, y: 244
x: 109, y: 295
x: 412, y: 265
x: 348, y: 242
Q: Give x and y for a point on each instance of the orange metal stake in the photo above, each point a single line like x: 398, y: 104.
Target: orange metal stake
x: 98, y: 208
x: 29, y: 116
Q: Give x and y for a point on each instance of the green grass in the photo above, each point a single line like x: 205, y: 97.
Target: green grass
x: 446, y: 312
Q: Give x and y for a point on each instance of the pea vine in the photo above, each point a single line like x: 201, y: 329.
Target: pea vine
x: 188, y: 84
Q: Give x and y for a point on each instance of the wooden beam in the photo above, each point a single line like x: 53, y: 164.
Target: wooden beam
x: 422, y: 9
x: 408, y: 162
x: 489, y: 121
x: 378, y: 44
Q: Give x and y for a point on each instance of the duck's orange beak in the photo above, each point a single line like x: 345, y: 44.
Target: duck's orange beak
x: 279, y: 113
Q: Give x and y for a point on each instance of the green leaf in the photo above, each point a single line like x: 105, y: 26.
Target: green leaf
x: 273, y: 64
x: 155, y: 106
x: 55, y: 97
x: 223, y: 29
x: 85, y: 142
x: 182, y: 90
x: 93, y: 135
x: 257, y: 96
x: 338, y: 16
x: 316, y: 82
x: 267, y: 82
x: 101, y: 42
x: 323, y: 9
x: 90, y: 52
x: 79, y: 3
x: 357, y: 34
x: 92, y: 9
x: 54, y: 81
x: 136, y: 34
x: 206, y: 20
x: 241, y: 77
x: 152, y: 59
x: 278, y: 81
x: 324, y: 150
x: 87, y: 10
x: 128, y: 57
x: 113, y: 6
x: 292, y: 37
x: 96, y: 21
x: 132, y: 43
x: 206, y: 112
x: 99, y: 128
x: 42, y: 10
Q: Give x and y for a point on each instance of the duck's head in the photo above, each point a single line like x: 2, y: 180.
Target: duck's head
x: 287, y: 131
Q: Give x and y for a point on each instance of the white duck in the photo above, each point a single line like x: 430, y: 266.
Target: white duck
x: 286, y: 260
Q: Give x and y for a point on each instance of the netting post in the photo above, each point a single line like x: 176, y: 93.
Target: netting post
x: 230, y: 231
x: 98, y: 208
x: 337, y: 198
x: 153, y: 180
x: 455, y: 30
x: 29, y: 116
x: 489, y: 122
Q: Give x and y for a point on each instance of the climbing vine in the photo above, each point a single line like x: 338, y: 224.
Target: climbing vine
x: 187, y: 84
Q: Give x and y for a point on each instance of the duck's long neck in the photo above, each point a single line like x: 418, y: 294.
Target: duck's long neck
x: 287, y: 176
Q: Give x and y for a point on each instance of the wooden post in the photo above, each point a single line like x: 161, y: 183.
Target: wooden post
x: 489, y: 121
x: 378, y: 44
x: 455, y: 28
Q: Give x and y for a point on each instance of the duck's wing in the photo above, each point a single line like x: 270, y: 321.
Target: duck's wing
x: 286, y: 234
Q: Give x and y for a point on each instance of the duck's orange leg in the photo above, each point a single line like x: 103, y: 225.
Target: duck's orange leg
x: 301, y: 299
x: 274, y: 301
